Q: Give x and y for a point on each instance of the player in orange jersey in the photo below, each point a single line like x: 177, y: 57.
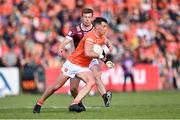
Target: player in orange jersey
x: 78, y: 65
x: 75, y: 35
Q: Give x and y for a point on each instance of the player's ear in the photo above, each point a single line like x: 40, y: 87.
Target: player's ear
x: 81, y: 18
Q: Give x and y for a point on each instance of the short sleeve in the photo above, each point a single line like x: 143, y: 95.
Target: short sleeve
x: 71, y: 33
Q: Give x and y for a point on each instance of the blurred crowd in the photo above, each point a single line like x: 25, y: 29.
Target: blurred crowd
x: 31, y: 30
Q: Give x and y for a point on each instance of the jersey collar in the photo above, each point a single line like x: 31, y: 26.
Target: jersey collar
x: 86, y: 29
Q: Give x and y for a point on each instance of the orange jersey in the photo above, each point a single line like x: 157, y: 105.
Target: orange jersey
x: 78, y: 57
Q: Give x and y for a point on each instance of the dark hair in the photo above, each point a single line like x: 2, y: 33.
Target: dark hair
x: 98, y: 20
x: 87, y: 10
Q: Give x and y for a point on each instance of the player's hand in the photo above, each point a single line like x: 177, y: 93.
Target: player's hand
x: 61, y: 53
x: 109, y: 64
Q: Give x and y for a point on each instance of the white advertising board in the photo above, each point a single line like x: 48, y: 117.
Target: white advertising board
x: 9, y: 81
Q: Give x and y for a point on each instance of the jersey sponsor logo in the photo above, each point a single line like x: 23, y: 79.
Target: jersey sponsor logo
x: 89, y: 39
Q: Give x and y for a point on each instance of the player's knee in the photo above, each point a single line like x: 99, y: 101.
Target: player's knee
x: 97, y: 79
x: 97, y: 76
x: 97, y: 82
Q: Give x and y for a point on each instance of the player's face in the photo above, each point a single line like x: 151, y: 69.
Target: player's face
x: 87, y: 19
x: 102, y: 28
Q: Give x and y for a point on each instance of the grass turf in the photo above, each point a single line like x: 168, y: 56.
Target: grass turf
x: 146, y: 105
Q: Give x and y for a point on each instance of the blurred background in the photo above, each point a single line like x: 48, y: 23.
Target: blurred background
x: 145, y: 35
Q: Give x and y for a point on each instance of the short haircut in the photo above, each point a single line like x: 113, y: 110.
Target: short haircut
x: 87, y: 10
x: 99, y: 20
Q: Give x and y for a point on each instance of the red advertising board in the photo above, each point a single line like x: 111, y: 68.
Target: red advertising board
x: 146, y: 78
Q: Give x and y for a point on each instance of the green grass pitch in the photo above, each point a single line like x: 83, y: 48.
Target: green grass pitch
x: 139, y: 105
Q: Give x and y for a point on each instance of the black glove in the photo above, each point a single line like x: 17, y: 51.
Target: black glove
x: 109, y: 63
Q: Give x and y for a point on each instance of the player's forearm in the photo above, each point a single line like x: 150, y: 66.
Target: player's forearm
x: 61, y: 46
x: 109, y: 45
x: 64, y: 43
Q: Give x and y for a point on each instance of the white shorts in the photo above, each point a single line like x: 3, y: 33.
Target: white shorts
x: 94, y: 62
x: 69, y: 69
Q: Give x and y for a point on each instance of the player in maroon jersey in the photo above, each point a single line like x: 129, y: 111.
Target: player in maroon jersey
x: 74, y: 35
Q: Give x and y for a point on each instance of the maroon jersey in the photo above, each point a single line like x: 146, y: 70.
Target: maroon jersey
x: 77, y: 33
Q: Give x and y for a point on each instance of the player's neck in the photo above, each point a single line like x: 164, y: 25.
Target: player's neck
x: 86, y: 28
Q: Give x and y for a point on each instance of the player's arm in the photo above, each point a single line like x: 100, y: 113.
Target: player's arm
x: 67, y: 40
x: 108, y: 62
x: 108, y: 44
x: 63, y: 45
x: 88, y: 49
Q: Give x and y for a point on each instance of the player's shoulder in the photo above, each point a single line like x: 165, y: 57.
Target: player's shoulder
x: 73, y: 30
x: 75, y: 27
